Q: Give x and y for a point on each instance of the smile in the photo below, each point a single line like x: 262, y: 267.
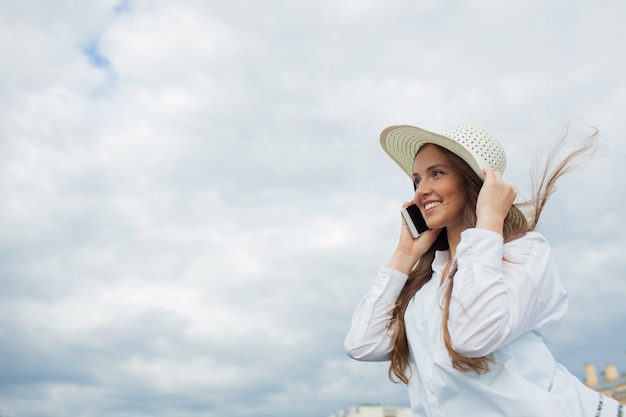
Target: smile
x: 431, y: 205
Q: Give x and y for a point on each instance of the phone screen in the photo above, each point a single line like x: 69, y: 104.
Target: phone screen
x: 413, y: 218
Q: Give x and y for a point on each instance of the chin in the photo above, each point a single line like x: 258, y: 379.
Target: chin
x: 434, y: 224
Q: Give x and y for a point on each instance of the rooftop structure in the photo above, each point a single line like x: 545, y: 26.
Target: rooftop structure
x: 613, y: 384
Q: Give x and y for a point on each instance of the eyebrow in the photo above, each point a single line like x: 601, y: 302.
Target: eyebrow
x: 430, y: 168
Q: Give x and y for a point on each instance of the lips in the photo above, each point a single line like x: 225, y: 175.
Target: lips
x: 431, y: 205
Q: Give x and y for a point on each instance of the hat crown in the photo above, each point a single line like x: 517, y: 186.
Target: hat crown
x: 481, y: 144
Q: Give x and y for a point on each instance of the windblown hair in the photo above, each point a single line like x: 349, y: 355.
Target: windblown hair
x: 516, y: 225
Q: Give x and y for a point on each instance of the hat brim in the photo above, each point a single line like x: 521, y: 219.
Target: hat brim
x: 402, y: 142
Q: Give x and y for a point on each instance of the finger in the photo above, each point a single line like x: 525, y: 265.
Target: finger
x: 494, y: 177
x: 491, y: 174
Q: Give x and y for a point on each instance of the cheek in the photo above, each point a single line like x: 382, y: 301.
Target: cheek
x: 461, y: 201
x: 469, y: 210
x: 456, y: 191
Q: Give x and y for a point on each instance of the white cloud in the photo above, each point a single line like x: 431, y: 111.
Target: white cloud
x: 195, y: 199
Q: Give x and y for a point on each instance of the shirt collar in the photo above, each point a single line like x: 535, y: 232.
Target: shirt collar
x: 441, y: 259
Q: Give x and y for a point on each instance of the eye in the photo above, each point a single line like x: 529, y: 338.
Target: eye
x: 437, y: 173
x: 416, y: 183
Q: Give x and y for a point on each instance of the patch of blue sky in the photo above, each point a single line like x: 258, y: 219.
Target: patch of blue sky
x: 121, y: 7
x: 98, y: 60
x: 95, y: 57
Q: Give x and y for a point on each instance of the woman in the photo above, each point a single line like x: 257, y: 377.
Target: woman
x: 464, y: 311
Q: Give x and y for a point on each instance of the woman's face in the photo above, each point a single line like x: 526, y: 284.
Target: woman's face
x: 440, y: 191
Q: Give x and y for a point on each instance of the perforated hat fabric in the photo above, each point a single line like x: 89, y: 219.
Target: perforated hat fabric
x: 469, y: 141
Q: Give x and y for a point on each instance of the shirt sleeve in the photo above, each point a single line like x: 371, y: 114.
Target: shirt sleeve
x: 502, y: 291
x: 368, y: 338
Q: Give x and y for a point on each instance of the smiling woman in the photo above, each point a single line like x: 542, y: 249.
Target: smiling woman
x: 464, y: 311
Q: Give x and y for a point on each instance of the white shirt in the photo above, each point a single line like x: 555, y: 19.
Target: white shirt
x: 507, y: 301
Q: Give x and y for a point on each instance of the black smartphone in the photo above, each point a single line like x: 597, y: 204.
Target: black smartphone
x: 413, y: 218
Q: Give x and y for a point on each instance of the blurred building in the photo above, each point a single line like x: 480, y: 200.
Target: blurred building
x: 613, y: 384
x: 367, y: 410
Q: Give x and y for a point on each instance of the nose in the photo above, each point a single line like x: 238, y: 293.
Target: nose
x: 420, y: 191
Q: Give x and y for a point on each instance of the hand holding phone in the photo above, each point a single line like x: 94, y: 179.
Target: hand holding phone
x: 414, y: 220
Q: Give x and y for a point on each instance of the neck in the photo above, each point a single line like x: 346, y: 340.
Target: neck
x: 454, y: 238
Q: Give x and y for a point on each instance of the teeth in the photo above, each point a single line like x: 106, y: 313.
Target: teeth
x: 431, y: 205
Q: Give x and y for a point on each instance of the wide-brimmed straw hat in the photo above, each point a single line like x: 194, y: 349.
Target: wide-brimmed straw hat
x: 470, y: 142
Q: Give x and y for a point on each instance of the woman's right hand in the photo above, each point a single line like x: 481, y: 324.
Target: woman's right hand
x: 410, y: 250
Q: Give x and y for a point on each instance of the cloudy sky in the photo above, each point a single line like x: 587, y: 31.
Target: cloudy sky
x: 194, y: 197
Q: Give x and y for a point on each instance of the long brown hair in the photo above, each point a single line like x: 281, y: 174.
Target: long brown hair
x: 516, y: 225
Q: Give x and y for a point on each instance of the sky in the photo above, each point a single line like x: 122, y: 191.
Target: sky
x: 195, y: 198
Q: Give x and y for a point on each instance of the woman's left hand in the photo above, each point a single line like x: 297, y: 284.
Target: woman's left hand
x: 494, y: 201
